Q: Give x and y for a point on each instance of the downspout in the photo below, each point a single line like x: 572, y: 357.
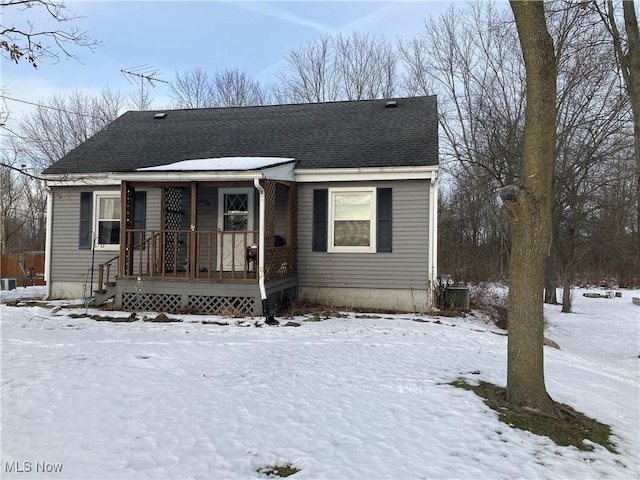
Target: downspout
x: 263, y: 290
x: 47, y: 242
x: 433, y: 236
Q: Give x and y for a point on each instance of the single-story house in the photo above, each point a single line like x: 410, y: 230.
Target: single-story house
x: 245, y: 209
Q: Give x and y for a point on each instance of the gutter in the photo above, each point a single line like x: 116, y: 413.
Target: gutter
x: 263, y: 290
x: 433, y: 236
x: 428, y: 172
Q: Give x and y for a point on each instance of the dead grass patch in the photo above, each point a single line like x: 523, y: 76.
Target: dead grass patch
x: 162, y: 318
x: 105, y: 318
x: 215, y: 322
x: 278, y: 470
x: 319, y: 311
x: 566, y: 427
x: 299, y: 308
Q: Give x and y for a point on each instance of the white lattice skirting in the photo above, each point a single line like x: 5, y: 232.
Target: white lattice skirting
x: 174, y: 303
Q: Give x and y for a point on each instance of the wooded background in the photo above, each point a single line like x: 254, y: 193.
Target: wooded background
x: 470, y: 58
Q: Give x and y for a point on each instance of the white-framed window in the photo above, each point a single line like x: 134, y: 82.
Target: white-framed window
x: 352, y: 220
x: 106, y: 219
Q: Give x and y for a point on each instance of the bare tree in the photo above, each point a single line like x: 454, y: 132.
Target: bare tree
x: 234, y: 88
x: 627, y: 52
x: 11, y: 193
x: 309, y: 75
x: 34, y: 210
x: 227, y: 88
x: 20, y: 39
x: 612, y: 253
x: 474, y: 247
x: 530, y: 213
x: 192, y: 89
x: 591, y: 134
x: 470, y: 59
x: 63, y: 122
x: 416, y: 60
x: 366, y: 65
x: 339, y: 67
x: 46, y: 134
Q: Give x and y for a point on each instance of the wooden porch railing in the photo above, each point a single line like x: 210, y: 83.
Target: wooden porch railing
x: 104, y: 272
x: 202, y: 255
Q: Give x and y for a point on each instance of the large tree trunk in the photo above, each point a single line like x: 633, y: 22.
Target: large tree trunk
x: 567, y: 277
x: 550, y: 281
x: 531, y: 223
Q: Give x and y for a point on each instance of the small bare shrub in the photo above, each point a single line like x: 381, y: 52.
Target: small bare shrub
x: 299, y: 308
x: 490, y: 300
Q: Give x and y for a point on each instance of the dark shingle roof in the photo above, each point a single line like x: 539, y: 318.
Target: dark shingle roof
x: 322, y: 135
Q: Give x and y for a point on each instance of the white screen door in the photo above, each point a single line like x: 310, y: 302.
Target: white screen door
x: 235, y: 216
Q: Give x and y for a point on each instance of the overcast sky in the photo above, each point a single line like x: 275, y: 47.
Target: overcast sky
x: 170, y: 36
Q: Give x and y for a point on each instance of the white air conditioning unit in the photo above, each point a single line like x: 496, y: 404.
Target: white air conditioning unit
x: 8, y: 283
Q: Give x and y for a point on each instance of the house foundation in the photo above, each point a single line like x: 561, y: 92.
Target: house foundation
x: 401, y: 300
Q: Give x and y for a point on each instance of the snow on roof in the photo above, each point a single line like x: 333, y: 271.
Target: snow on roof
x: 220, y: 164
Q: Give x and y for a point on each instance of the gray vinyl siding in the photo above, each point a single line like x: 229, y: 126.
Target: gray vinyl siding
x: 153, y: 208
x: 280, y: 226
x: 68, y: 262
x: 405, y: 268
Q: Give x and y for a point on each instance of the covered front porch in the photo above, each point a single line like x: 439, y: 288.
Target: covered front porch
x: 224, y: 242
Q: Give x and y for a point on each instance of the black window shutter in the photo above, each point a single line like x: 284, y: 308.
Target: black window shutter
x: 320, y: 214
x: 140, y: 218
x: 86, y: 208
x: 385, y: 229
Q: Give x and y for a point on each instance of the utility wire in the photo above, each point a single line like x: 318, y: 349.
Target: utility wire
x: 49, y: 107
x: 15, y: 134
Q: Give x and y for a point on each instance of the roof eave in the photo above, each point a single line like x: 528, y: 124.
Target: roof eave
x: 283, y: 172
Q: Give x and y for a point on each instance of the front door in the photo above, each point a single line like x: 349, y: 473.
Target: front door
x: 235, y: 218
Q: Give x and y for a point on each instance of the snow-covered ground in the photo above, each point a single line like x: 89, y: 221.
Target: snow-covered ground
x: 365, y: 396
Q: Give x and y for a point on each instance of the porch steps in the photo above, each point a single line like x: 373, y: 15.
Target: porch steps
x: 107, y: 293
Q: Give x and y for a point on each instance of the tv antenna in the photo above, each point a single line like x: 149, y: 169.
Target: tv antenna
x: 141, y: 76
x: 138, y: 75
